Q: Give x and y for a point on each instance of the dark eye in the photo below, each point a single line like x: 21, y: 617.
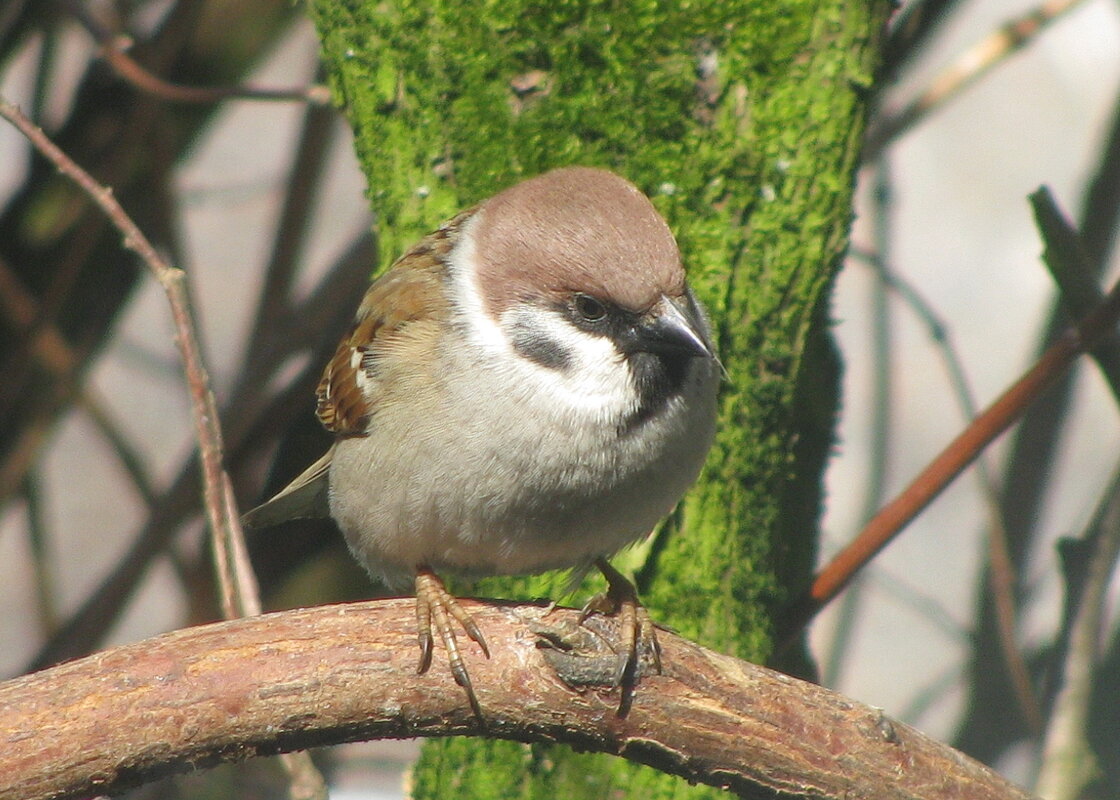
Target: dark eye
x: 588, y: 308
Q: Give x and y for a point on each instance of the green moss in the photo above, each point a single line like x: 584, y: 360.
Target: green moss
x: 751, y: 162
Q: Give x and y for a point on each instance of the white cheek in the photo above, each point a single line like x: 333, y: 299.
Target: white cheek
x: 595, y: 383
x: 482, y: 331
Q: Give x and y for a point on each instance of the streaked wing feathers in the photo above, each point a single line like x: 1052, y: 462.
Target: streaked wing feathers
x: 411, y: 290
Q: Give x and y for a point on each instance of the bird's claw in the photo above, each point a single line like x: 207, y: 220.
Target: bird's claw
x: 636, y: 632
x: 436, y: 607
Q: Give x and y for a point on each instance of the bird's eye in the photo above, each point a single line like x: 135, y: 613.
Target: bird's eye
x: 588, y: 308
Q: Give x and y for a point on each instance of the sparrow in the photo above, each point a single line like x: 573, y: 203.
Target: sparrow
x: 531, y: 387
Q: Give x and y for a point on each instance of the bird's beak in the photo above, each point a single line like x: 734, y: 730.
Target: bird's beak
x: 674, y: 326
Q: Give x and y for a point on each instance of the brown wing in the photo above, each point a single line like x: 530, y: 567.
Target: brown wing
x: 412, y: 290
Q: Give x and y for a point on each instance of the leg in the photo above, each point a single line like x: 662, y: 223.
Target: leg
x: 636, y: 629
x: 435, y: 604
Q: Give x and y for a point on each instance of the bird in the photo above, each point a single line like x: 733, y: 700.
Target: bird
x: 531, y: 387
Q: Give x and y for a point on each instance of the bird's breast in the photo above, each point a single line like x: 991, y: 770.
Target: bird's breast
x: 497, y: 473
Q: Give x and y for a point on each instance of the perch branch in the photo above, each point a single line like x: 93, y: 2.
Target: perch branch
x: 319, y: 676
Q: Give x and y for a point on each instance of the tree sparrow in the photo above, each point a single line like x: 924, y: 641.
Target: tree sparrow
x: 531, y: 387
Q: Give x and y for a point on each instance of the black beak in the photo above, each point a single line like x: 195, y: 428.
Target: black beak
x: 673, y: 327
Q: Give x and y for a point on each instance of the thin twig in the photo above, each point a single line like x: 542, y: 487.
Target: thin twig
x: 204, y: 412
x: 249, y: 419
x: 1069, y: 763
x: 961, y: 452
x: 972, y: 65
x: 236, y: 581
x: 1066, y: 259
x: 225, y: 526
x: 1000, y: 565
x: 18, y: 369
x: 43, y: 568
x: 986, y: 728
x: 879, y: 414
x: 113, y: 49
x: 1068, y: 759
x: 140, y: 78
x: 1001, y: 568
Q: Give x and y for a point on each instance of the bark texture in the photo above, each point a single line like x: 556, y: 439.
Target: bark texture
x: 312, y: 677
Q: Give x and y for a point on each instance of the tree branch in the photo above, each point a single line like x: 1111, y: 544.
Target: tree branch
x: 113, y: 50
x: 950, y: 462
x: 311, y: 677
x: 970, y: 66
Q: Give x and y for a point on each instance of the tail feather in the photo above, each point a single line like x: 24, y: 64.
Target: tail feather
x: 303, y: 498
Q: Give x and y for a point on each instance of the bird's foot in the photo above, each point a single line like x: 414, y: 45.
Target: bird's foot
x: 637, y: 633
x: 436, y: 607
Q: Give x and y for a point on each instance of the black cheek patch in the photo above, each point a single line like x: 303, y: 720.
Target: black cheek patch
x: 541, y: 348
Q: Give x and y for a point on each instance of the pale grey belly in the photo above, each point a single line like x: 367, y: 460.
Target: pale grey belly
x: 468, y: 507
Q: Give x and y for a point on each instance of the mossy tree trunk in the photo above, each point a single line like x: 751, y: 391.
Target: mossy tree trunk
x: 742, y: 120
